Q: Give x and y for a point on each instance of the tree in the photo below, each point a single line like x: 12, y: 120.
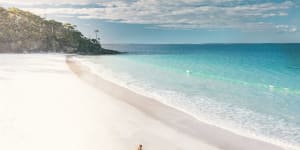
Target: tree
x: 96, y: 32
x: 23, y: 31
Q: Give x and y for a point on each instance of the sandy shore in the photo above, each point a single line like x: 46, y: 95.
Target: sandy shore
x: 45, y: 106
x: 173, y: 118
x: 48, y: 104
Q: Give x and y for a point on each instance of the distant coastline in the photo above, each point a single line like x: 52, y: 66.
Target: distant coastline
x: 24, y: 32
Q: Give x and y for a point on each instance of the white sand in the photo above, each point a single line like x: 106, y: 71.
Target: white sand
x: 44, y: 106
x: 173, y: 118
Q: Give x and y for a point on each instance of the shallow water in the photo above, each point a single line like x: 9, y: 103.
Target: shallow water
x: 250, y: 89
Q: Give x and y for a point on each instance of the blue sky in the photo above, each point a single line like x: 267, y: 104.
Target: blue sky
x: 175, y: 21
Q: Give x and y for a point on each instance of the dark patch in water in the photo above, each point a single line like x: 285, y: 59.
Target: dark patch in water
x: 292, y: 67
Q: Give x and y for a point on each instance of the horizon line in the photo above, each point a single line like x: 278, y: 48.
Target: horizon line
x: 200, y: 43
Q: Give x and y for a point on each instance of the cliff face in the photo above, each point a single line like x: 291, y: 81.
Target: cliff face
x: 22, y: 31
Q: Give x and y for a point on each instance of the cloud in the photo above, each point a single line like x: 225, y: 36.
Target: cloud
x: 286, y: 28
x: 34, y: 2
x: 183, y: 14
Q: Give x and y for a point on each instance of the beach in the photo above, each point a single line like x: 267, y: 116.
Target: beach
x: 54, y: 102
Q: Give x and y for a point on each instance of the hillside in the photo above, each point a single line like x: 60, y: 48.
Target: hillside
x: 24, y: 32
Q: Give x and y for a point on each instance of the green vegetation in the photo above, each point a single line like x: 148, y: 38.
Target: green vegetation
x: 22, y: 32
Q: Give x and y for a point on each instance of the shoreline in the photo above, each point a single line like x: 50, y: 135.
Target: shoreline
x: 172, y: 117
x: 44, y: 105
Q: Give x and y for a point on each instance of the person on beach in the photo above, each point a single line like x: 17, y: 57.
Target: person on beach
x: 140, y: 147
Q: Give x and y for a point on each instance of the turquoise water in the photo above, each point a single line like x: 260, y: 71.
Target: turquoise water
x: 250, y: 89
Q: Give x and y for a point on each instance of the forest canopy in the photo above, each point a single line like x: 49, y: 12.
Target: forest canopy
x: 24, y: 32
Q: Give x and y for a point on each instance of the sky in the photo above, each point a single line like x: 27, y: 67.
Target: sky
x: 175, y: 21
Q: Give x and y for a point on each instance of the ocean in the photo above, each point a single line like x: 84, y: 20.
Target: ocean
x: 249, y: 89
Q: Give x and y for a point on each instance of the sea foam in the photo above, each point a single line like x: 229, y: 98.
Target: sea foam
x: 227, y: 116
